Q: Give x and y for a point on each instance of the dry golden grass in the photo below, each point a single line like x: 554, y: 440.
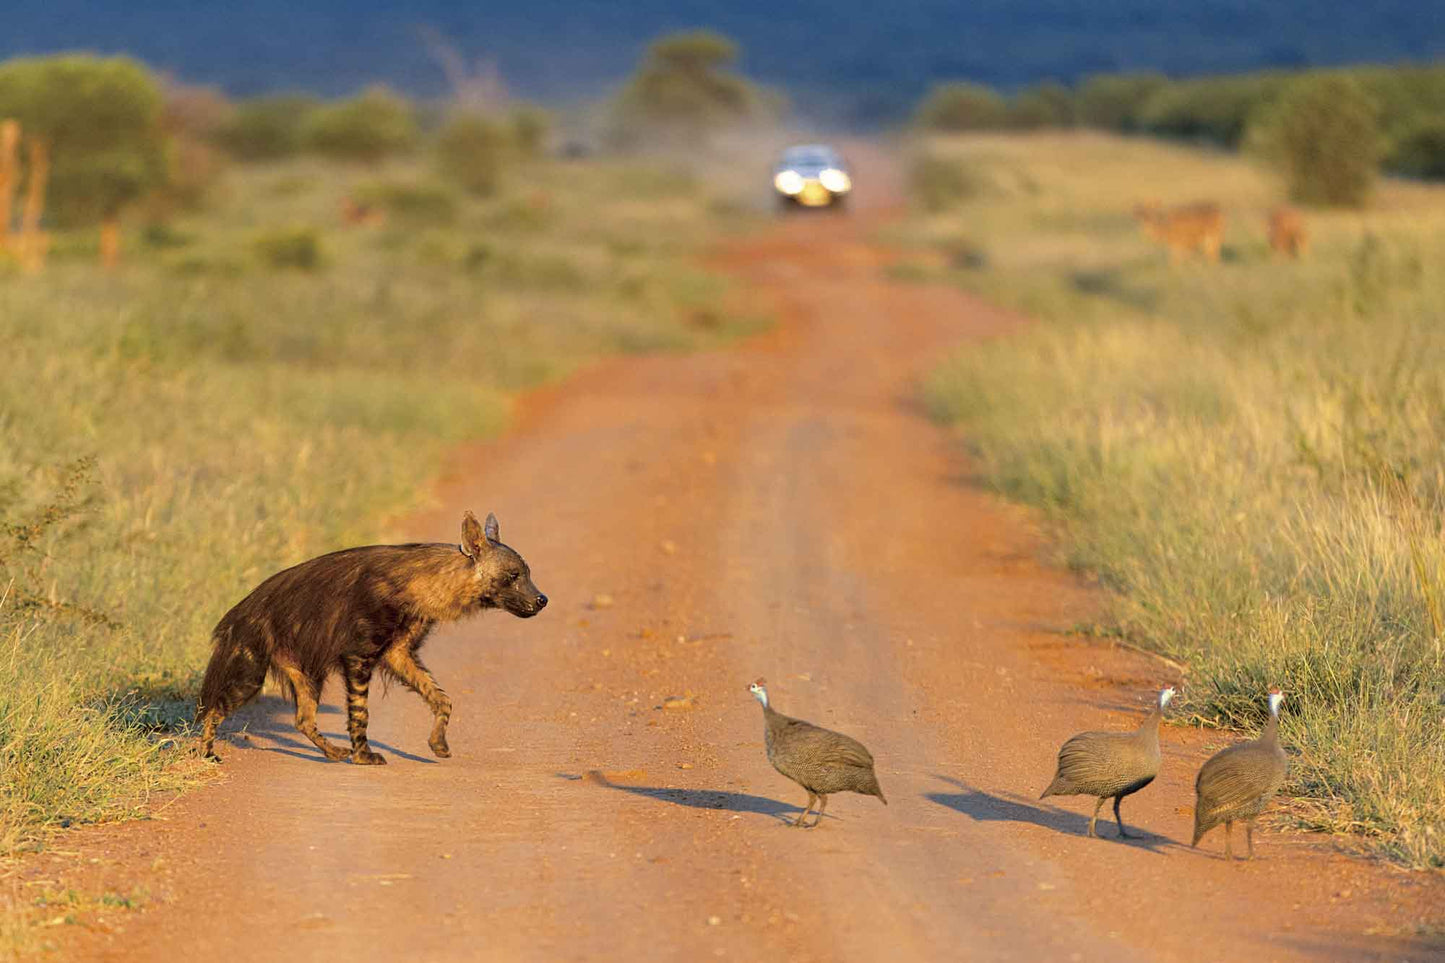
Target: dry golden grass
x: 1250, y: 455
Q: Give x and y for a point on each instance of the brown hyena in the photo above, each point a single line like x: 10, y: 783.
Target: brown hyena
x: 354, y: 612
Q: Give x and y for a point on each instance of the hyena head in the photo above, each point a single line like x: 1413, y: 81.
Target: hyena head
x: 501, y: 576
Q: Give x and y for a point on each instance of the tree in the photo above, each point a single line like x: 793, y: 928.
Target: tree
x: 93, y: 125
x: 685, y: 86
x: 962, y: 106
x: 374, y: 125
x: 1323, y: 135
x: 1421, y: 151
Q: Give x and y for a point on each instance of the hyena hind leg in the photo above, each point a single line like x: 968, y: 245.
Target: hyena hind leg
x: 357, y: 673
x: 306, y: 695
x: 239, y: 678
x: 404, y: 664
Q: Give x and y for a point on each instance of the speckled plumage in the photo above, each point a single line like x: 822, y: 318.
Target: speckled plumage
x: 820, y: 760
x: 1237, y: 784
x: 1110, y: 765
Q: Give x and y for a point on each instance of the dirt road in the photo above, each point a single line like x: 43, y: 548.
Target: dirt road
x: 778, y: 510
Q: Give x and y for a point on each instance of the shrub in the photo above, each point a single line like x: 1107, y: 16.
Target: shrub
x: 1116, y: 101
x: 1048, y: 104
x: 1214, y: 109
x: 268, y: 127
x: 290, y: 247
x: 366, y: 128
x: 1323, y: 136
x: 961, y: 106
x: 529, y: 130
x: 1421, y: 151
x: 471, y: 151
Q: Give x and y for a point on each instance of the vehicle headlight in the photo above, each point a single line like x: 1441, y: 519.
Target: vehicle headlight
x: 835, y: 180
x: 788, y: 182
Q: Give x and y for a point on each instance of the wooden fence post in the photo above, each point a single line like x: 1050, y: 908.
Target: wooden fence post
x: 32, y: 242
x: 9, y: 166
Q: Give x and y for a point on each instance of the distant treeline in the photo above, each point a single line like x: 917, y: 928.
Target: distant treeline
x: 1408, y: 101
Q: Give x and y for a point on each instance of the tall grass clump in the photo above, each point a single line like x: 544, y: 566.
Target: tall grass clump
x: 1249, y: 456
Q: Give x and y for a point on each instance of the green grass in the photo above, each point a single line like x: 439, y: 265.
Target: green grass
x: 260, y: 383
x: 1250, y: 456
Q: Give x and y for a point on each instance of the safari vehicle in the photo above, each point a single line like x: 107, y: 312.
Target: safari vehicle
x: 811, y: 175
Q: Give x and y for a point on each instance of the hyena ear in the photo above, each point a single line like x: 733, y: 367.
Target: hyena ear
x: 493, y: 532
x: 474, y: 541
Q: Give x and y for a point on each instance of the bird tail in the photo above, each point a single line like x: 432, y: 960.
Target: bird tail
x: 879, y: 794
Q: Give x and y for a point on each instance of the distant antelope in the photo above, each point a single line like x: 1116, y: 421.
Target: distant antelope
x: 1183, y: 229
x: 361, y: 215
x: 1287, y: 232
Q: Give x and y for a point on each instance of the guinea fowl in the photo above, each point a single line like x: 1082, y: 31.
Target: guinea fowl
x: 1110, y: 764
x: 818, y: 759
x: 1238, y: 782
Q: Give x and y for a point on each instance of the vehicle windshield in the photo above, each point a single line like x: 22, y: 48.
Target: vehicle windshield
x: 811, y: 158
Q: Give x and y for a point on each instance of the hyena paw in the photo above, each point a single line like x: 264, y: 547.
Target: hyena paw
x: 366, y: 757
x: 335, y: 753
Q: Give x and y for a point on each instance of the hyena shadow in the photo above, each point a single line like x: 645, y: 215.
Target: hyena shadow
x: 267, y: 725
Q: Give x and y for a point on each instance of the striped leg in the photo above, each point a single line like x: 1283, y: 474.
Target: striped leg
x: 404, y: 664
x: 306, y: 695
x: 358, y: 682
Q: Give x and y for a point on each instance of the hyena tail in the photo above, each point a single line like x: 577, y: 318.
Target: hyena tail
x: 234, y: 675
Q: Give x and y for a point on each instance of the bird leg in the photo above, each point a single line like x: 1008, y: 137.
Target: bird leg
x: 1095, y: 818
x: 822, y: 805
x: 1249, y: 837
x: 806, y: 809
x: 1120, y: 820
x: 1229, y: 839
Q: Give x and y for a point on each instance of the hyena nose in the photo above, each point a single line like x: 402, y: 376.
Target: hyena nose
x: 541, y: 601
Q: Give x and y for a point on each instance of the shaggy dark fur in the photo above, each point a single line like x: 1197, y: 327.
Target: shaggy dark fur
x: 354, y: 612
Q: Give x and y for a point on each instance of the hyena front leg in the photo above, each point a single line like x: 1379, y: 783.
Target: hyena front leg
x: 408, y: 668
x: 358, y: 681
x: 306, y: 695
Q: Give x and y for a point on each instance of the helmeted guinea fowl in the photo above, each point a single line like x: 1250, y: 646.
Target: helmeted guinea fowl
x: 1110, y: 764
x: 1238, y: 782
x: 818, y: 759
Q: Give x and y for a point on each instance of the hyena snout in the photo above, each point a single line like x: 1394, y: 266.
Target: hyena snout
x: 524, y: 601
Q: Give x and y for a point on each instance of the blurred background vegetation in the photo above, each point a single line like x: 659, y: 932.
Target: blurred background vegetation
x: 241, y: 333
x: 1248, y: 456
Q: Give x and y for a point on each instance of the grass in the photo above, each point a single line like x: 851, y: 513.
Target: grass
x: 1250, y: 456
x: 260, y: 383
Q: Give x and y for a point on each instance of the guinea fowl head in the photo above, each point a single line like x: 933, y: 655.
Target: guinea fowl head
x: 1275, y: 698
x: 1165, y: 694
x: 759, y: 689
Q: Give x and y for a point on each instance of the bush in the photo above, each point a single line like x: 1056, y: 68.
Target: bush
x: 1421, y: 151
x: 1116, y: 101
x: 1048, y: 104
x: 290, y: 247
x: 414, y: 201
x: 1213, y: 109
x: 268, y: 127
x: 937, y: 183
x: 471, y: 151
x: 685, y: 87
x: 366, y: 128
x: 961, y: 106
x: 1324, y: 138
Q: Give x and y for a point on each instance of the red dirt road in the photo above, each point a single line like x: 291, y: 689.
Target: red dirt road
x: 778, y: 510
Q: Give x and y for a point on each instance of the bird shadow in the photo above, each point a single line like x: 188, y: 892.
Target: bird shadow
x: 271, y: 718
x: 738, y: 802
x: 981, y: 806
